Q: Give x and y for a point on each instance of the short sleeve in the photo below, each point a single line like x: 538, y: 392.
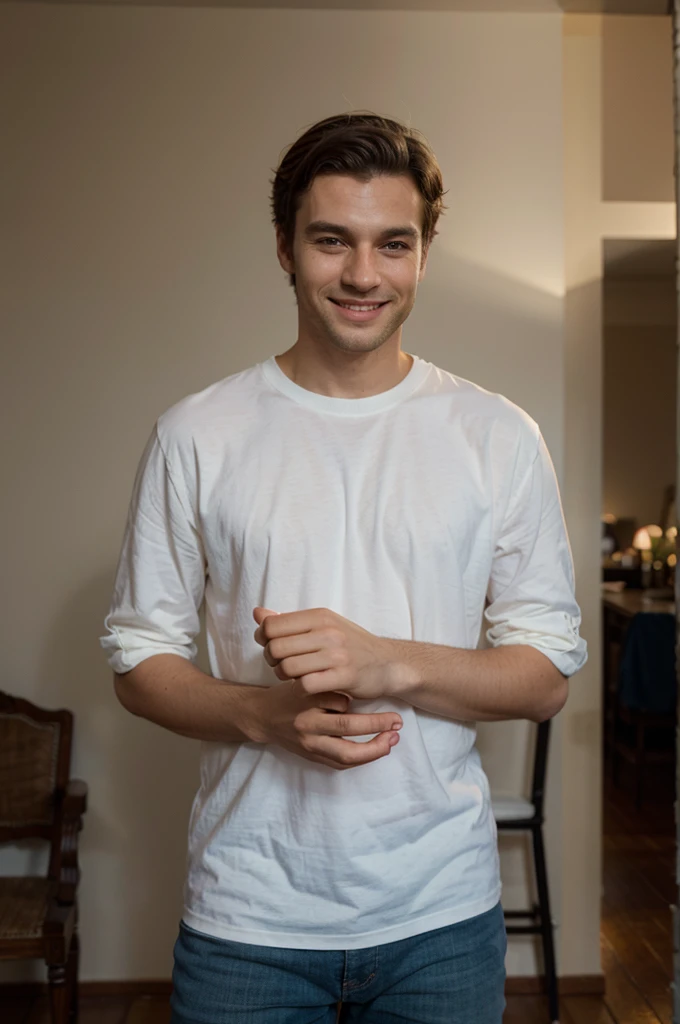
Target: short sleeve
x: 160, y: 580
x: 531, y: 587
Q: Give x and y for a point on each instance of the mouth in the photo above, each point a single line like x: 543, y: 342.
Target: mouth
x: 358, y: 312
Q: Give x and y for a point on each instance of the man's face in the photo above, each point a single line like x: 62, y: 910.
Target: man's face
x: 357, y: 244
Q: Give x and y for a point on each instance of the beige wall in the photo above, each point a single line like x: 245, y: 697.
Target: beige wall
x: 637, y: 110
x: 581, y: 792
x: 141, y: 267
x: 640, y: 354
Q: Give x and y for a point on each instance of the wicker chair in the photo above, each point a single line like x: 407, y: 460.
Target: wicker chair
x: 39, y: 916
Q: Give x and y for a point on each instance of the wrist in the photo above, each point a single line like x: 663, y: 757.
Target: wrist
x: 403, y: 673
x: 248, y: 713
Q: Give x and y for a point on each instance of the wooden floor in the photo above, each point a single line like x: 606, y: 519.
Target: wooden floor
x: 639, y: 887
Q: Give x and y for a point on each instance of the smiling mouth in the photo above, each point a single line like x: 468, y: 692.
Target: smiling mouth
x: 359, y: 307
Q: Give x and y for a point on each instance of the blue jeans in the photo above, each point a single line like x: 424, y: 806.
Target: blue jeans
x: 452, y: 975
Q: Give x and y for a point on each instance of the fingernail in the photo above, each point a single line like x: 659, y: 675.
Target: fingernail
x: 397, y: 725
x: 393, y: 740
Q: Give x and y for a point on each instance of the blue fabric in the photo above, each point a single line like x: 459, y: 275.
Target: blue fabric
x: 452, y: 975
x: 647, y: 680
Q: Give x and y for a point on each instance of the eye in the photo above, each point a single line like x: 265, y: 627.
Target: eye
x: 401, y: 245
x: 329, y: 242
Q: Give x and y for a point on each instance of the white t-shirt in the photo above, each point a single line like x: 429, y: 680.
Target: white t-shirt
x: 403, y: 512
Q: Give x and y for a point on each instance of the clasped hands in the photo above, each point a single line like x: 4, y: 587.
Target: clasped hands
x: 328, y: 660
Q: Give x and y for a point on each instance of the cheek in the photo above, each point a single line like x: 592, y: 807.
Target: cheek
x: 405, y: 278
x: 319, y: 273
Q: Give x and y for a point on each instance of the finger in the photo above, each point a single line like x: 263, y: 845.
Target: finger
x: 335, y: 702
x: 268, y: 657
x: 294, y: 623
x: 260, y: 614
x: 330, y: 700
x: 348, y: 754
x: 311, y: 663
x: 317, y: 683
x: 354, y: 725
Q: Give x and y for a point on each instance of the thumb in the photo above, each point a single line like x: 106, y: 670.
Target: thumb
x: 260, y: 614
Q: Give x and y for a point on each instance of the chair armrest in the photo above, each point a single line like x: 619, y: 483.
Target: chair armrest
x: 65, y: 865
x: 75, y: 799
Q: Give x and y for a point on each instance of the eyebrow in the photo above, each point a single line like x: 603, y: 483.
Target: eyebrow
x: 317, y: 226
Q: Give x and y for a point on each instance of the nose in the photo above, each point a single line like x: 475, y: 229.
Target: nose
x: 360, y: 269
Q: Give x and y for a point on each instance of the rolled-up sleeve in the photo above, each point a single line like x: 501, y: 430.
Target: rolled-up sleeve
x: 531, y: 587
x: 160, y: 580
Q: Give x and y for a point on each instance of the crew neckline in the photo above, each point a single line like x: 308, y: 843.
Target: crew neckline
x: 347, y: 406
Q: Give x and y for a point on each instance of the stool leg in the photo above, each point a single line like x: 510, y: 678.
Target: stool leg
x: 546, y: 923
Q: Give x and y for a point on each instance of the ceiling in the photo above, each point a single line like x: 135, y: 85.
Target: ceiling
x: 508, y: 6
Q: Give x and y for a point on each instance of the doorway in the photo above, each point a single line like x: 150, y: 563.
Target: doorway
x: 638, y: 566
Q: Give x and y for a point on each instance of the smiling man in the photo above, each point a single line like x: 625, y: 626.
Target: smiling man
x: 349, y: 513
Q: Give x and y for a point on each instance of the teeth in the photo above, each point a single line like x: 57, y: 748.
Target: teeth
x: 360, y: 309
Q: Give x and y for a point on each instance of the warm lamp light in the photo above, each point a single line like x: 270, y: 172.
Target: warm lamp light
x: 654, y: 531
x: 642, y: 540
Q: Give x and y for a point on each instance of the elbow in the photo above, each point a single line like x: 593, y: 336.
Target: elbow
x: 125, y: 692
x: 554, y: 700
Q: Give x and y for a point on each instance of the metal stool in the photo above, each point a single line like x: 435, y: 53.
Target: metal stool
x: 517, y: 815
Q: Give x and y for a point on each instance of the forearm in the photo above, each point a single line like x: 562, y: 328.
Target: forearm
x: 170, y: 691
x: 507, y: 682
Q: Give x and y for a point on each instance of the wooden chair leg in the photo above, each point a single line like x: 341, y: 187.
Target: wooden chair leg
x: 59, y: 993
x: 72, y: 969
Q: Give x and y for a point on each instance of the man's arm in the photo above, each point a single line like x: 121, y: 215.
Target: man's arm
x: 531, y: 611
x: 170, y: 691
x: 508, y: 682
x: 324, y: 650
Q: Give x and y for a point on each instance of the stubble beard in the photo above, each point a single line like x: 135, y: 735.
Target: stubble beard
x: 360, y: 338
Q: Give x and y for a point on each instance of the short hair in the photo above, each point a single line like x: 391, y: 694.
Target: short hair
x: 363, y: 145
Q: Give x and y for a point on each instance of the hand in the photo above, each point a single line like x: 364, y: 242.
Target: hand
x: 313, y: 726
x: 325, y: 652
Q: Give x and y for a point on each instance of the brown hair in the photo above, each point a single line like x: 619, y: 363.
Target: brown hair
x: 360, y: 144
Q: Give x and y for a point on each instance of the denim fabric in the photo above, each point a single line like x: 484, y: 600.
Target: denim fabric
x: 452, y: 975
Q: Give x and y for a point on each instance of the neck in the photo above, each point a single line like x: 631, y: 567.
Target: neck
x: 340, y: 374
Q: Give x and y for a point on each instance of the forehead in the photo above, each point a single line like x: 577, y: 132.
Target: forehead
x: 381, y: 202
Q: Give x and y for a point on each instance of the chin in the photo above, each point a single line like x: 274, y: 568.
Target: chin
x: 362, y: 340
x: 361, y: 344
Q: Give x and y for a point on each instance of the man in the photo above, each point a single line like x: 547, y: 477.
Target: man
x: 347, y: 511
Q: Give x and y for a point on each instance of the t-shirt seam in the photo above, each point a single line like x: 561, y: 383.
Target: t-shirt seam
x: 514, y: 491
x: 170, y: 475
x: 346, y: 414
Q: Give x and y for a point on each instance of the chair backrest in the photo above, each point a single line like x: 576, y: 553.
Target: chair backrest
x: 540, y: 765
x: 35, y: 761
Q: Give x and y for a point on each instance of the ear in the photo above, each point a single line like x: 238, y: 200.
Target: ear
x: 423, y: 262
x: 282, y: 251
